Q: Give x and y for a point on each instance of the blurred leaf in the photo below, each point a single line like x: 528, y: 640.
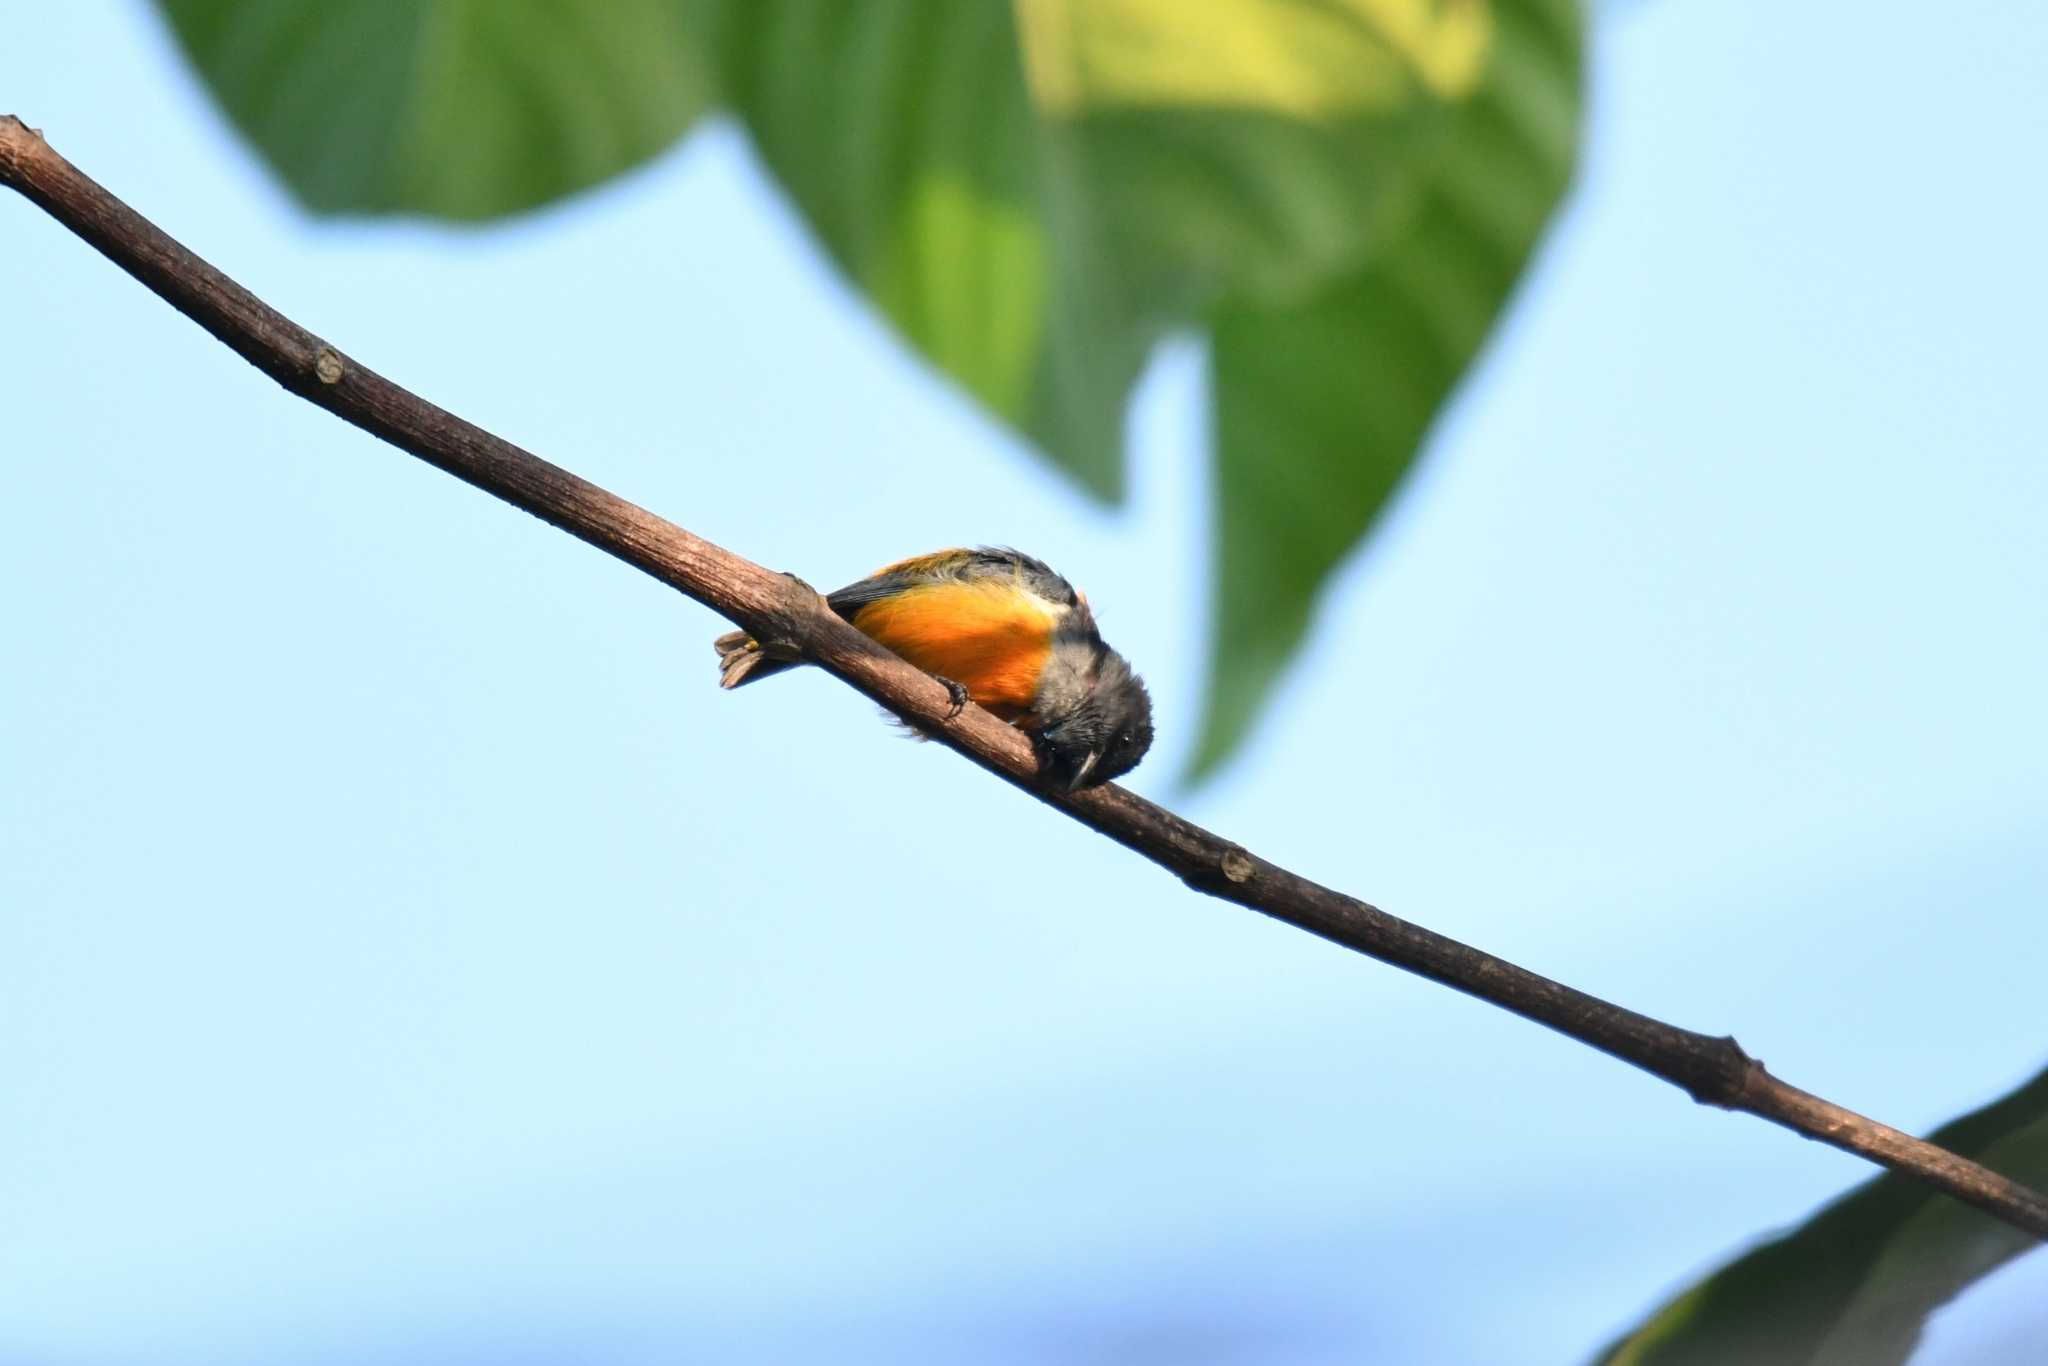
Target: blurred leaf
x: 1854, y: 1284
x: 1034, y: 192
x: 1321, y: 404
x: 904, y: 131
x: 1245, y: 149
x: 1034, y: 215
x: 466, y: 109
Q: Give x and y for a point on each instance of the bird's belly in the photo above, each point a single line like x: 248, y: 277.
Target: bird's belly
x: 993, y: 640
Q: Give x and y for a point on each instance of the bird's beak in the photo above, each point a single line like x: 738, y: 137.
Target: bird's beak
x: 1081, y: 773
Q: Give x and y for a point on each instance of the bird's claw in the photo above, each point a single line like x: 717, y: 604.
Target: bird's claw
x: 957, y: 693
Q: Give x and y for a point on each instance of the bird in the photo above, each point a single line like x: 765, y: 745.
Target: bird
x: 1002, y: 629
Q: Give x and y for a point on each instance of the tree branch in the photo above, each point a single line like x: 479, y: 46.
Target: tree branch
x: 1714, y: 1071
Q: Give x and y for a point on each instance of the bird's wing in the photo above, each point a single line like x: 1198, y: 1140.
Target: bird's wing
x: 892, y: 579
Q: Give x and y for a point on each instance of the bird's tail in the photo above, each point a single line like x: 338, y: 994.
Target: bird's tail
x: 742, y: 660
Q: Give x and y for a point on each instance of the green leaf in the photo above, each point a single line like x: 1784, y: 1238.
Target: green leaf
x: 1321, y: 404
x: 465, y: 109
x: 1855, y: 1283
x: 1035, y: 197
x: 904, y: 131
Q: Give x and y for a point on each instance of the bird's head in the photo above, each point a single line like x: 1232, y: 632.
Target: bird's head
x: 1103, y: 733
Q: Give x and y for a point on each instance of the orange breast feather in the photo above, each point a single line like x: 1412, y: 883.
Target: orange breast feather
x: 991, y: 638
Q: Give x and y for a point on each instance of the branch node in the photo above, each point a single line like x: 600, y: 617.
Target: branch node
x: 11, y: 131
x: 788, y: 615
x: 1722, y: 1074
x: 1236, y: 864
x: 328, y: 366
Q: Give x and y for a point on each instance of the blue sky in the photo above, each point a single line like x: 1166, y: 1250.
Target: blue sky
x: 407, y: 951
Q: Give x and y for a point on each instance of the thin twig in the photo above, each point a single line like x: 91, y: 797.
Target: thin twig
x: 1714, y: 1071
